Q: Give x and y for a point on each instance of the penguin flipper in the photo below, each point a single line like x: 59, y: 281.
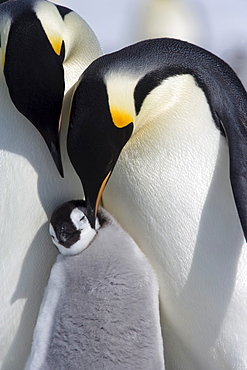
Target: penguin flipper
x: 233, y: 118
x: 238, y: 174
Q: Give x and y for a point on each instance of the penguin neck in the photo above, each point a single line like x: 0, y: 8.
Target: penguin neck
x: 168, y: 99
x: 80, y: 52
x: 166, y: 102
x: 175, y: 118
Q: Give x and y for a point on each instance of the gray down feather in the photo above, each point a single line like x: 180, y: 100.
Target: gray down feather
x: 100, y: 309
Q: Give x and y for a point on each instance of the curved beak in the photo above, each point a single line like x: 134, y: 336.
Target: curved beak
x: 91, y: 213
x: 93, y: 201
x: 34, y: 76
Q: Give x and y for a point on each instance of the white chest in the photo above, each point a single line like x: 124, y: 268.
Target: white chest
x: 171, y: 191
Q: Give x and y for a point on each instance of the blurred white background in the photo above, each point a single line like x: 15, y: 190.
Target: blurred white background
x: 217, y: 25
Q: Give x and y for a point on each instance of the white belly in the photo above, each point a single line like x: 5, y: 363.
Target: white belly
x: 30, y: 189
x: 170, y: 190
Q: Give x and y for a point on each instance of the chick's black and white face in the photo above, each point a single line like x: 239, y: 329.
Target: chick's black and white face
x: 70, y: 229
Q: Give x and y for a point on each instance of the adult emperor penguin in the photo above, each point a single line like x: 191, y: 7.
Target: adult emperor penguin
x: 44, y: 49
x: 178, y: 116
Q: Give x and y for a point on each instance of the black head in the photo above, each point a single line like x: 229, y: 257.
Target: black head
x: 34, y: 72
x: 65, y: 230
x: 94, y: 142
x: 70, y: 229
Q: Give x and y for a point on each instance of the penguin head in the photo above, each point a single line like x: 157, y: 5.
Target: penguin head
x: 38, y: 48
x: 32, y: 57
x: 114, y: 95
x: 94, y: 139
x: 70, y: 229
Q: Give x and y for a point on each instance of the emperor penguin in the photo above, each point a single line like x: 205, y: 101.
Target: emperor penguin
x: 164, y: 124
x: 100, y: 308
x: 44, y: 49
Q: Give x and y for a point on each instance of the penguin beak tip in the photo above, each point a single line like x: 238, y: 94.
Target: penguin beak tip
x: 91, y: 215
x: 59, y: 167
x: 60, y: 170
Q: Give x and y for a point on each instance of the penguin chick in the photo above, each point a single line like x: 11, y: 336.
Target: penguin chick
x: 101, y: 307
x: 70, y: 229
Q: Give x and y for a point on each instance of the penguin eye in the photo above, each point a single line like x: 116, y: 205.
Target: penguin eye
x: 82, y: 218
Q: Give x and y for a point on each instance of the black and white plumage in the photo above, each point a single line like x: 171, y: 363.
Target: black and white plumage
x: 170, y: 119
x: 70, y: 229
x: 37, y: 34
x: 101, y: 308
x: 44, y: 49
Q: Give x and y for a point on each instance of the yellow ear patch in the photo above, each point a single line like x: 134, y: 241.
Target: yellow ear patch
x: 53, y: 24
x: 120, y: 87
x: 121, y: 118
x: 56, y: 44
